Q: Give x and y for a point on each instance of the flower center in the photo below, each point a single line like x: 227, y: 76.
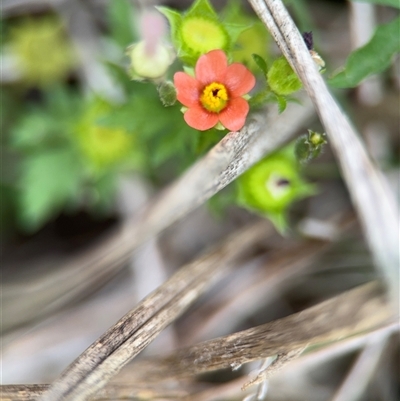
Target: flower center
x: 277, y: 186
x: 214, y: 97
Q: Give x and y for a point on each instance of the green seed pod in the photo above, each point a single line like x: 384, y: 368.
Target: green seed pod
x: 271, y: 185
x: 309, y: 146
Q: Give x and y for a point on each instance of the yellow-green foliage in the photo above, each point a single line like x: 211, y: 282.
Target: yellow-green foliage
x: 103, y: 145
x: 282, y: 79
x: 42, y: 51
x: 254, y: 40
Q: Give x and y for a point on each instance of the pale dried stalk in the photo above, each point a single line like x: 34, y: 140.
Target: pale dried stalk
x: 359, y: 310
x: 86, y: 40
x: 226, y: 391
x: 23, y: 392
x: 224, y: 163
x: 104, y: 358
x: 282, y: 264
x: 363, y: 370
x: 276, y: 365
x: 113, y: 392
x: 372, y: 198
x: 288, y: 259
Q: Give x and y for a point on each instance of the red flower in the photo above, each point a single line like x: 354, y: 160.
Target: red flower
x: 216, y: 92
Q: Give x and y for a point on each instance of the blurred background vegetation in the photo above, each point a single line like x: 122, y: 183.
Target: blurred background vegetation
x: 75, y: 129
x: 66, y: 138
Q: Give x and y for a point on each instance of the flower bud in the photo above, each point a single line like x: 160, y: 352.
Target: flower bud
x: 167, y: 93
x: 151, y: 57
x: 146, y: 65
x: 309, y: 146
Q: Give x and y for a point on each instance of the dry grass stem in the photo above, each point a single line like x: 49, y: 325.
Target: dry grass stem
x: 103, y: 359
x: 356, y: 311
x: 363, y: 370
x: 361, y: 309
x: 277, y: 364
x: 372, y: 197
x: 282, y: 266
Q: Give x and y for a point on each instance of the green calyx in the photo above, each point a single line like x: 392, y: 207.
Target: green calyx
x: 200, y: 35
x: 167, y: 92
x: 282, y: 79
x: 271, y: 185
x: 199, y: 30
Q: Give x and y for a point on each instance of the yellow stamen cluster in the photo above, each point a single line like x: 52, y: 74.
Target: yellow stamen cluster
x: 214, y: 97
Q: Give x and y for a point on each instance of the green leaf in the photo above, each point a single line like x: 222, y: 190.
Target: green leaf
x: 175, y: 21
x: 253, y: 39
x: 10, y: 110
x: 202, y: 8
x: 137, y: 115
x: 372, y: 58
x: 262, y: 97
x: 261, y: 63
x: 104, y: 188
x: 8, y: 196
x: 32, y: 130
x: 279, y: 220
x: 281, y: 77
x: 48, y: 181
x: 392, y: 3
x: 235, y: 30
x: 118, y: 73
x: 168, y: 146
x: 46, y: 124
x: 282, y: 103
x: 119, y: 17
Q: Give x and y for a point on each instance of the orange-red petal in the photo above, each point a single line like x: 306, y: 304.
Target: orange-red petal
x: 187, y: 88
x: 211, y: 67
x: 200, y: 119
x: 234, y: 116
x: 239, y: 80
